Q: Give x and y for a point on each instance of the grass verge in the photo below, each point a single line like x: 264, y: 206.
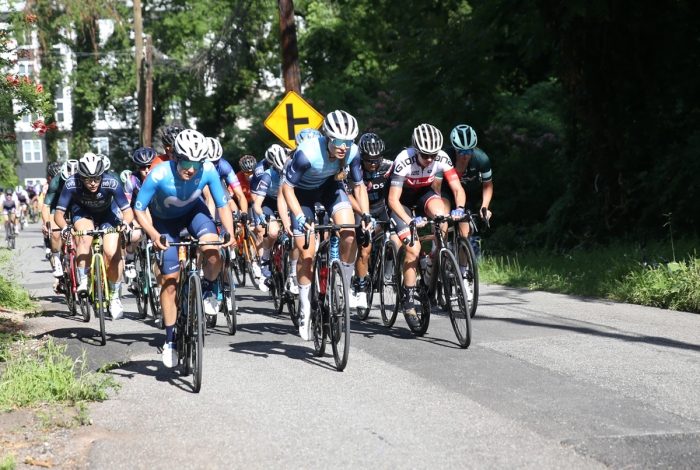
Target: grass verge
x: 615, y: 273
x: 12, y: 295
x: 48, y: 375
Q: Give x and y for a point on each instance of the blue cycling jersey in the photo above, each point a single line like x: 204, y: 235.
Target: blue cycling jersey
x: 171, y: 196
x: 311, y: 167
x: 110, y: 190
x: 226, y: 173
x: 261, y: 167
x: 268, y: 184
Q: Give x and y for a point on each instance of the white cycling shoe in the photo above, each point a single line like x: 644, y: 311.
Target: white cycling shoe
x: 169, y: 355
x: 292, y: 285
x: 305, y: 326
x: 57, y: 270
x: 116, y: 309
x: 211, y: 304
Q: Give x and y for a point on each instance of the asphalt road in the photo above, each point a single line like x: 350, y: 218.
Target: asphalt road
x: 550, y: 381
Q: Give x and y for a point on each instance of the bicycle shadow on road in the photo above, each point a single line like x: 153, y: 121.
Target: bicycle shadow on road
x: 265, y: 349
x: 371, y: 328
x: 653, y: 340
x: 154, y: 368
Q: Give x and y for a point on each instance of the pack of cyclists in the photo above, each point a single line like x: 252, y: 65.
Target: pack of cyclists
x: 191, y: 190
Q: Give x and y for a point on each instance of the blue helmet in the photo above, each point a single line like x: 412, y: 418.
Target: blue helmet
x: 306, y: 134
x: 144, y: 156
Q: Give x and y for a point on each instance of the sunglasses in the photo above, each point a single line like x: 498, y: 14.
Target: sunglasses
x: 371, y: 161
x: 341, y: 142
x: 93, y: 180
x: 465, y: 152
x: 144, y: 168
x: 425, y: 156
x: 188, y: 165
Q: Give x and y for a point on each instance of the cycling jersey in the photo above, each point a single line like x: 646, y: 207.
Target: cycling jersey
x: 8, y: 204
x: 226, y: 173
x: 171, y: 196
x: 132, y: 186
x: 268, y: 184
x: 53, y: 192
x: 412, y: 177
x: 260, y: 168
x: 22, y: 196
x: 159, y: 159
x: 478, y: 170
x: 311, y: 166
x: 245, y: 186
x: 377, y: 183
x: 109, y: 195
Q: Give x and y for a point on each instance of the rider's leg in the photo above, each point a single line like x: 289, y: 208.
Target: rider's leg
x: 304, y: 270
x: 168, y: 294
x: 82, y: 250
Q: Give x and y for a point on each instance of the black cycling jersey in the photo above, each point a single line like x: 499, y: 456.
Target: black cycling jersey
x: 377, y: 183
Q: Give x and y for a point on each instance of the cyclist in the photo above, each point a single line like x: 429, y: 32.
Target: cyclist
x: 248, y: 166
x: 95, y: 199
x: 10, y: 208
x: 474, y: 170
x: 376, y: 172
x: 33, y: 199
x: 411, y: 185
x: 315, y: 175
x: 68, y: 169
x: 228, y: 178
x: 167, y: 138
x: 172, y: 190
x: 108, y: 165
x: 23, y: 198
x: 142, y: 158
x: 265, y: 195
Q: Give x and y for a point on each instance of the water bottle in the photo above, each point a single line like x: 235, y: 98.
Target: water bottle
x: 335, y: 247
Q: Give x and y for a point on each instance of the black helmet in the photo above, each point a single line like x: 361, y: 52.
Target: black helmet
x: 144, y: 156
x: 53, y: 169
x: 371, y: 145
x: 169, y: 134
x: 9, y: 191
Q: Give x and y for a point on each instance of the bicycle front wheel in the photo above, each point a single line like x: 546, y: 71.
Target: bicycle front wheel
x: 239, y: 266
x: 339, y: 315
x: 389, y: 282
x: 195, y: 330
x: 470, y: 272
x: 229, y: 304
x: 278, y: 277
x: 252, y: 261
x: 457, y: 295
x: 318, y: 329
x: 99, y: 296
x: 141, y: 291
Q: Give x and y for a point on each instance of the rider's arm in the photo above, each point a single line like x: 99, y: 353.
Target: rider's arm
x: 457, y: 190
x: 359, y: 191
x: 283, y: 210
x: 59, y: 218
x: 257, y: 203
x: 240, y: 197
x: 295, y: 170
x: 395, y: 204
x: 291, y: 199
x: 355, y: 205
x: 206, y: 193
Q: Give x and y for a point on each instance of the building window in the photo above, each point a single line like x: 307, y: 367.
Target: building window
x: 62, y: 150
x: 59, y: 92
x: 26, y: 69
x: 100, y: 145
x: 31, y: 150
x: 59, y: 111
x: 30, y: 117
x: 34, y: 181
x: 101, y: 114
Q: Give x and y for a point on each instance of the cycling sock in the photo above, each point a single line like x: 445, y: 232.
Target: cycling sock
x: 82, y: 272
x: 348, y: 269
x: 266, y: 254
x: 114, y: 289
x: 304, y: 298
x: 169, y: 333
x: 293, y: 267
x: 130, y: 257
x: 361, y: 282
x: 56, y: 258
x: 207, y: 285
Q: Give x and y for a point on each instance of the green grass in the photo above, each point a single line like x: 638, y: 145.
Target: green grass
x: 8, y: 462
x: 50, y: 376
x: 12, y: 295
x: 614, y: 273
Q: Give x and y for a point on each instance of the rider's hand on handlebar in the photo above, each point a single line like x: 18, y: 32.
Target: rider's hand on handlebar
x: 288, y: 230
x: 65, y: 231
x: 420, y: 221
x: 367, y: 222
x: 457, y: 214
x: 262, y: 218
x: 44, y: 230
x: 159, y: 246
x: 488, y: 212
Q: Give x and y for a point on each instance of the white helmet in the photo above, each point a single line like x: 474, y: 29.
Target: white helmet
x: 463, y: 137
x: 191, y: 145
x: 124, y: 175
x: 18, y: 189
x: 105, y: 160
x: 91, y: 165
x: 276, y: 156
x: 69, y: 168
x: 427, y: 139
x: 215, y: 150
x: 340, y: 125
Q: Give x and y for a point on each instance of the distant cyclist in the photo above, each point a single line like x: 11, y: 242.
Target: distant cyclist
x: 248, y: 165
x: 97, y: 201
x: 228, y: 177
x: 172, y: 191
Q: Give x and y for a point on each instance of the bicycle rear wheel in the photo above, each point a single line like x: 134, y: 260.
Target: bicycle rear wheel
x: 467, y: 259
x: 457, y: 295
x: 239, y: 266
x: 277, y: 278
x: 252, y: 261
x: 339, y: 315
x: 195, y: 329
x: 99, y: 297
x: 317, y: 328
x: 228, y: 306
x: 389, y: 285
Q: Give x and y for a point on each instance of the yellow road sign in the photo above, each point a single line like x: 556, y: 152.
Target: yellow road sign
x: 290, y: 116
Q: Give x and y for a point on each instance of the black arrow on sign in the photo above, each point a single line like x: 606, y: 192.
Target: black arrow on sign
x: 291, y: 121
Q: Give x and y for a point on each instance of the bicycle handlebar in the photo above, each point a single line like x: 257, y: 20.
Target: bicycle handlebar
x: 484, y: 213
x: 195, y: 241
x: 321, y: 228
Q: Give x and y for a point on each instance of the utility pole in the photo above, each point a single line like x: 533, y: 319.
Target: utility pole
x: 290, y: 54
x: 138, y: 34
x: 148, y: 102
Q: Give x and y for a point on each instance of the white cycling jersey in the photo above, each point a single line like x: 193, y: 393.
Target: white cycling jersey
x: 410, y: 175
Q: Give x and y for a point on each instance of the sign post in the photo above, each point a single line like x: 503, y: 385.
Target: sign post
x: 290, y: 116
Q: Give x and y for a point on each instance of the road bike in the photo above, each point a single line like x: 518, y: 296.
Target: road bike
x: 68, y: 283
x: 227, y: 291
x: 246, y: 256
x: 10, y: 234
x: 280, y: 268
x: 380, y: 276
x: 98, y: 285
x: 145, y: 287
x: 444, y: 276
x: 330, y: 308
x: 190, y: 325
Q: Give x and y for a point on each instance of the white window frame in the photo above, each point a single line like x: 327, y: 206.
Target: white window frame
x: 33, y: 152
x: 100, y: 145
x: 62, y: 146
x: 33, y: 182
